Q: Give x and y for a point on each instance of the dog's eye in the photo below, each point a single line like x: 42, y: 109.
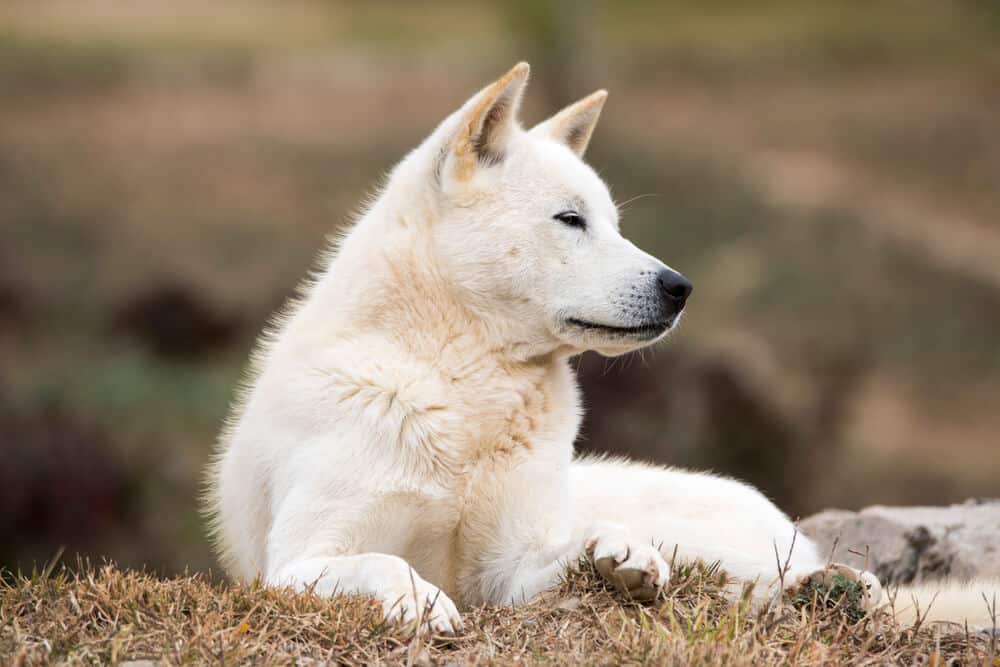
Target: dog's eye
x: 571, y: 218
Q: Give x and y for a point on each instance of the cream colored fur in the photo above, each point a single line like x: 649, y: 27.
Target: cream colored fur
x: 407, y: 431
x: 962, y: 603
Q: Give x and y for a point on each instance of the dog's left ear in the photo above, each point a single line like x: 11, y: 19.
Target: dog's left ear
x: 488, y: 123
x: 575, y: 124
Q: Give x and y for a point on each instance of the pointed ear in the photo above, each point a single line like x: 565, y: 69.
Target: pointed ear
x: 575, y: 124
x: 489, y: 122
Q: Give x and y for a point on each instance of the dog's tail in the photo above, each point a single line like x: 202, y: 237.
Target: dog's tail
x: 975, y: 604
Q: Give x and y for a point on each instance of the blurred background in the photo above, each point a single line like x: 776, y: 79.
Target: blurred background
x: 825, y: 172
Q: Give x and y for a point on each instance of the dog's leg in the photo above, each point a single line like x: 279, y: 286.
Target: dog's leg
x: 523, y: 537
x: 326, y: 543
x: 711, y: 519
x: 521, y: 572
x: 404, y: 595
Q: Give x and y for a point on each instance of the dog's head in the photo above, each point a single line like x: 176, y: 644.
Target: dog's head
x: 529, y: 232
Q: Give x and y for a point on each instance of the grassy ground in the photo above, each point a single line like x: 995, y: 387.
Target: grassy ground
x: 108, y: 615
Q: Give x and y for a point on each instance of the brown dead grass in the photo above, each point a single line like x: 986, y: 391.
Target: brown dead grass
x: 107, y: 615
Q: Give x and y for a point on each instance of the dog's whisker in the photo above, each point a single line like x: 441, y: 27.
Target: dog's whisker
x: 622, y: 206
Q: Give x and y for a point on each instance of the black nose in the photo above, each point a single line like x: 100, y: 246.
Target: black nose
x: 676, y: 288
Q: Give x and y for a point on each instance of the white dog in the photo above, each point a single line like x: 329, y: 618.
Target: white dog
x: 408, y: 429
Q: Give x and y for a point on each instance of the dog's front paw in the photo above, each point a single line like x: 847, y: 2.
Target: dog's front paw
x: 638, y: 570
x: 420, y: 600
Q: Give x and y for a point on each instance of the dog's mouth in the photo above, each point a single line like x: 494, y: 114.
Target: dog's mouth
x: 647, y: 331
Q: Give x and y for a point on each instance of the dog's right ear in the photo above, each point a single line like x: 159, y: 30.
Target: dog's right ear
x: 487, y: 125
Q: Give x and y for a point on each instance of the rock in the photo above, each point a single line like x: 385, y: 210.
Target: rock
x: 913, y: 544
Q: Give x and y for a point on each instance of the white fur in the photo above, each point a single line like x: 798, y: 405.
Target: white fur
x: 407, y: 429
x: 971, y: 603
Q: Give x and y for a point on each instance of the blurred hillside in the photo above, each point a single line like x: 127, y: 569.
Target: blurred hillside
x: 825, y: 172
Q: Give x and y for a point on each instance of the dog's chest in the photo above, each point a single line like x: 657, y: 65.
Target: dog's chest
x: 459, y: 429
x: 461, y: 437
x: 498, y: 417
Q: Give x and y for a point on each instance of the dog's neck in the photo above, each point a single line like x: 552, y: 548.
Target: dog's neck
x: 383, y: 281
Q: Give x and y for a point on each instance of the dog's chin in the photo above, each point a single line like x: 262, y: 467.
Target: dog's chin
x: 615, y: 339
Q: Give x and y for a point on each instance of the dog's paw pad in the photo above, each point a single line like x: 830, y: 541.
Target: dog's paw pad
x: 637, y: 570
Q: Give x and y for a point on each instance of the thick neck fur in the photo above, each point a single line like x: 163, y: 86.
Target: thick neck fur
x: 385, y: 281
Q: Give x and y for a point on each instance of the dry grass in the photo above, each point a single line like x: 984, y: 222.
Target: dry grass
x: 108, y: 615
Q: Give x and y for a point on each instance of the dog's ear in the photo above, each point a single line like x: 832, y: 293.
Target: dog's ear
x: 575, y: 124
x: 489, y: 123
